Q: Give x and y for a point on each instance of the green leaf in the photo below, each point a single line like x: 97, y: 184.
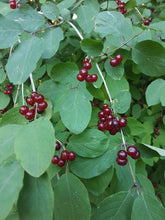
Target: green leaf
x: 9, y: 31
x: 50, y: 42
x: 88, y: 168
x: 159, y: 26
x: 135, y: 126
x: 116, y: 206
x: 115, y: 73
x: 160, y: 151
x: 36, y: 200
x: 149, y: 57
x: 4, y: 8
x: 153, y: 92
x: 2, y: 75
x: 145, y: 184
x: 121, y: 102
x: 98, y: 184
x: 8, y: 134
x: 91, y: 47
x: 20, y: 66
x: 146, y: 206
x: 91, y: 143
x: 11, y: 181
x: 65, y: 4
x: 50, y: 10
x: 34, y: 146
x: 4, y: 100
x: 71, y: 196
x: 79, y: 114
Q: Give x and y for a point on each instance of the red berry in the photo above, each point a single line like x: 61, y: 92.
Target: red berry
x: 121, y: 6
x: 18, y: 5
x: 149, y: 19
x: 101, y: 114
x: 10, y: 87
x: 71, y: 156
x: 113, y: 62
x: 84, y: 73
x: 124, y: 11
x: 105, y: 106
x: 121, y: 162
x: 86, y: 60
x: 64, y: 155
x: 30, y: 101
x: 88, y: 78
x: 3, y: 111
x: 23, y: 110
x: 87, y: 66
x: 117, y: 2
x: 58, y: 146
x: 119, y: 58
x: 122, y: 3
x: 116, y: 125
x: 93, y: 78
x: 80, y: 77
x: 136, y: 156
x: 109, y: 117
x: 112, y: 131
x: 122, y: 154
x: 146, y: 22
x: 101, y: 126
x: 39, y: 111
x: 13, y: 4
x: 155, y: 185
x: 61, y: 163
x: 123, y: 122
x: 33, y: 94
x: 107, y: 111
x: 160, y: 119
x: 102, y: 119
x: 152, y: 9
x: 157, y: 133
x: 110, y: 125
x: 7, y: 92
x: 30, y: 115
x: 131, y: 151
x: 55, y: 159
x: 39, y: 98
x: 42, y: 106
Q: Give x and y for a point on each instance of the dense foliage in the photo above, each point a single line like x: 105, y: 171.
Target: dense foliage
x: 98, y: 67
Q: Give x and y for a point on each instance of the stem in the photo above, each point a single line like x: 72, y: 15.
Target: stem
x: 23, y: 102
x: 139, y: 13
x: 61, y: 144
x: 11, y: 48
x: 32, y: 83
x: 77, y: 31
x: 58, y: 177
x: 16, y: 97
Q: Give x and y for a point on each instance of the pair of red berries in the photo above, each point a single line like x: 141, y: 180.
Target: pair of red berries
x: 147, y: 22
x: 121, y: 8
x: 156, y: 131
x: 35, y: 101
x: 65, y: 155
x: 83, y: 73
x: 114, y: 62
x: 14, y: 5
x: 8, y: 90
x: 122, y: 155
x: 108, y: 122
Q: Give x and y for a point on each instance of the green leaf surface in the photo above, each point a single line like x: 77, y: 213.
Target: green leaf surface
x: 24, y: 60
x: 91, y: 47
x: 4, y: 8
x: 116, y: 206
x: 145, y: 184
x: 50, y: 10
x: 11, y: 181
x: 50, y: 42
x: 149, y: 57
x: 121, y: 102
x: 34, y: 146
x: 160, y: 151
x: 4, y: 100
x: 135, y: 126
x: 91, y: 143
x: 115, y: 73
x: 2, y: 75
x: 9, y: 31
x: 36, y: 200
x: 88, y: 168
x: 71, y: 195
x: 146, y: 206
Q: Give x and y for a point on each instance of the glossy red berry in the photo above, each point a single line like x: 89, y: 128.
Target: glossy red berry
x: 86, y: 60
x: 116, y: 125
x: 121, y: 6
x: 101, y: 126
x: 131, y: 151
x: 18, y: 5
x: 71, y: 156
x: 93, y: 78
x: 42, y: 106
x: 103, y: 119
x: 39, y: 98
x: 152, y: 9
x: 3, y: 111
x: 109, y: 124
x: 30, y: 101
x: 88, y: 78
x: 146, y: 23
x: 113, y: 62
x: 10, y: 87
x: 101, y: 114
x: 119, y: 58
x: 113, y: 131
x: 87, y: 66
x: 55, y: 159
x: 61, y: 163
x: 39, y: 111
x: 33, y: 94
x: 107, y: 111
x: 105, y: 106
x: 109, y: 117
x: 123, y: 122
x: 84, y: 73
x: 122, y: 154
x: 149, y: 19
x: 7, y: 92
x: 160, y: 119
x: 30, y: 115
x: 80, y: 77
x: 124, y: 11
x: 13, y: 5
x: 121, y: 162
x: 23, y: 110
x: 136, y: 156
x: 58, y: 146
x: 117, y: 2
x: 64, y: 155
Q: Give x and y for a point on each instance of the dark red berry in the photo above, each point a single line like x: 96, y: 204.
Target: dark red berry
x: 155, y: 185
x: 80, y: 77
x: 124, y: 11
x: 119, y: 58
x: 101, y: 114
x: 122, y: 3
x: 103, y: 119
x: 61, y: 163
x: 30, y: 101
x: 64, y: 155
x: 88, y: 78
x: 101, y: 126
x: 3, y: 111
x: 42, y: 106
x: 86, y: 60
x: 160, y: 119
x: 55, y: 159
x: 87, y: 66
x: 136, y: 156
x: 10, y: 87
x: 30, y: 115
x: 131, y: 151
x: 93, y: 78
x: 23, y: 110
x: 123, y: 122
x: 117, y: 2
x: 109, y: 117
x: 109, y: 124
x: 122, y: 154
x: 152, y: 9
x: 146, y: 22
x: 116, y: 125
x: 113, y: 131
x: 39, y: 98
x: 107, y: 111
x: 7, y: 92
x: 13, y: 4
x: 149, y: 19
x: 58, y: 146
x: 105, y: 106
x: 39, y: 111
x: 113, y: 62
x: 84, y: 73
x: 71, y: 156
x: 121, y: 162
x: 157, y: 133
x: 33, y: 94
x: 121, y: 6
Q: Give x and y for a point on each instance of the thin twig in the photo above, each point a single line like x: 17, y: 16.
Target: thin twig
x: 58, y: 177
x: 77, y: 31
x: 23, y: 101
x: 61, y: 144
x: 32, y: 82
x: 11, y: 48
x: 16, y: 97
x: 139, y: 13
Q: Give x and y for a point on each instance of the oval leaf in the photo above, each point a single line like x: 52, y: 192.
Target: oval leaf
x: 91, y: 47
x: 4, y: 100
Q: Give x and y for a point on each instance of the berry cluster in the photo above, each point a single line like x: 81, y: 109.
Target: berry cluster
x: 64, y: 156
x: 114, y: 62
x: 156, y: 131
x: 35, y: 101
x: 121, y: 7
x: 14, y: 5
x: 8, y: 90
x: 122, y: 155
x: 108, y: 122
x: 147, y: 22
x: 83, y: 73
